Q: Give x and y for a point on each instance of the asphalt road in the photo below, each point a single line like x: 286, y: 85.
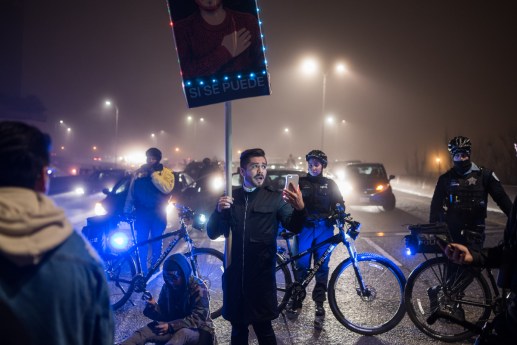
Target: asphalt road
x: 382, y: 233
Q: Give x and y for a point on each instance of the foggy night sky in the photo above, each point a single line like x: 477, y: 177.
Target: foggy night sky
x: 420, y: 72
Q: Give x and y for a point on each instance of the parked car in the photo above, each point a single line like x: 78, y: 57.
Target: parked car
x: 365, y: 184
x: 184, y: 192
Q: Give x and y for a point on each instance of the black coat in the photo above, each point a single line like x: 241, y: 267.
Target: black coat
x: 503, y: 256
x: 249, y: 283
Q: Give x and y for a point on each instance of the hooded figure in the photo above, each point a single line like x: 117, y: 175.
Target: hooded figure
x: 52, y: 282
x: 182, y: 313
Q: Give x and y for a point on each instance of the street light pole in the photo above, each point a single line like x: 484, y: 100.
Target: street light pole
x: 111, y: 104
x: 116, y: 133
x: 312, y: 66
x: 324, y: 94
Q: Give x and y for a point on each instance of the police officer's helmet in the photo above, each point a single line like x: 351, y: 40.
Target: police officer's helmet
x: 319, y: 155
x: 460, y: 144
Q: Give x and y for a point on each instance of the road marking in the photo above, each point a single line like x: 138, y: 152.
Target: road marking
x: 382, y: 251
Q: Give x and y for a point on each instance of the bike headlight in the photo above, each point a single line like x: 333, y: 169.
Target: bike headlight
x: 118, y: 241
x: 411, y: 245
x: 79, y: 190
x: 99, y: 209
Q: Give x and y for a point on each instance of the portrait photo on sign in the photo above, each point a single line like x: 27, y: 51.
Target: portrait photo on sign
x: 220, y: 49
x: 213, y: 38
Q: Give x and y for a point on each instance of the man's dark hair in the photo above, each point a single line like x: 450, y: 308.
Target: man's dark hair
x: 246, y: 155
x: 154, y: 152
x: 24, y: 151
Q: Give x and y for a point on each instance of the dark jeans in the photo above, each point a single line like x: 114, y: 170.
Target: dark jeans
x: 263, y: 330
x: 149, y: 224
x: 185, y: 336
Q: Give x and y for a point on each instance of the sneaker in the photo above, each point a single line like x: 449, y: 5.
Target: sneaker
x: 319, y: 316
x: 293, y: 309
x: 433, y: 293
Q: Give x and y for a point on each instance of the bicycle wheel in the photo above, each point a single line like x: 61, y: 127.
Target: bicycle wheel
x: 210, y: 268
x: 283, y: 282
x: 435, y: 285
x: 381, y: 308
x: 120, y: 271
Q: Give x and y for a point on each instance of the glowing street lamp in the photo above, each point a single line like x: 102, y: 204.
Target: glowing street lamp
x: 195, y: 121
x: 311, y: 66
x: 439, y: 162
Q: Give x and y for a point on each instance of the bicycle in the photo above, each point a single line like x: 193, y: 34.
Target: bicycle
x: 439, y: 292
x: 124, y: 272
x: 365, y: 291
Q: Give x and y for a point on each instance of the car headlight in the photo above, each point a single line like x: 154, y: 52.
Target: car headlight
x: 99, y: 209
x: 170, y: 207
x: 79, y: 191
x: 345, y: 187
x: 217, y: 184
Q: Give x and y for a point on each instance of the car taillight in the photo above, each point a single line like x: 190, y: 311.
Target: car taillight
x: 380, y: 187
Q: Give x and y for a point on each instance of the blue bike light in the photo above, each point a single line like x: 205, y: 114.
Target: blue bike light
x: 408, y: 251
x: 118, y: 241
x: 202, y: 219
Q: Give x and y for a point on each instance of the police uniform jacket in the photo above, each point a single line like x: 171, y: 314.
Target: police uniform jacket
x: 461, y: 200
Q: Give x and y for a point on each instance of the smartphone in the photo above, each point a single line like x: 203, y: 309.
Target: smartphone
x: 292, y: 179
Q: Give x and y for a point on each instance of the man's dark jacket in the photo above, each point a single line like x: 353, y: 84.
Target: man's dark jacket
x: 249, y: 284
x: 503, y: 256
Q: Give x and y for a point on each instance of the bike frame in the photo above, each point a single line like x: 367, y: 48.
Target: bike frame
x: 181, y: 233
x: 491, y: 279
x: 341, y: 237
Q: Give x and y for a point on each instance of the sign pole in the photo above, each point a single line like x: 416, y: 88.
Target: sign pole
x: 228, y: 173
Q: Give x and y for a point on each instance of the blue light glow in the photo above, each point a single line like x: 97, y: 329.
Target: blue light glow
x: 119, y: 241
x: 408, y: 251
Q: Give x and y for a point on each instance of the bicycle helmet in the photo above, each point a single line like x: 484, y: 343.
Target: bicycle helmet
x: 319, y: 155
x: 459, y: 144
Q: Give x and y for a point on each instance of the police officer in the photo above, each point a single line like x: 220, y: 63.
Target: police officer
x: 503, y: 328
x: 461, y: 194
x: 320, y: 195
